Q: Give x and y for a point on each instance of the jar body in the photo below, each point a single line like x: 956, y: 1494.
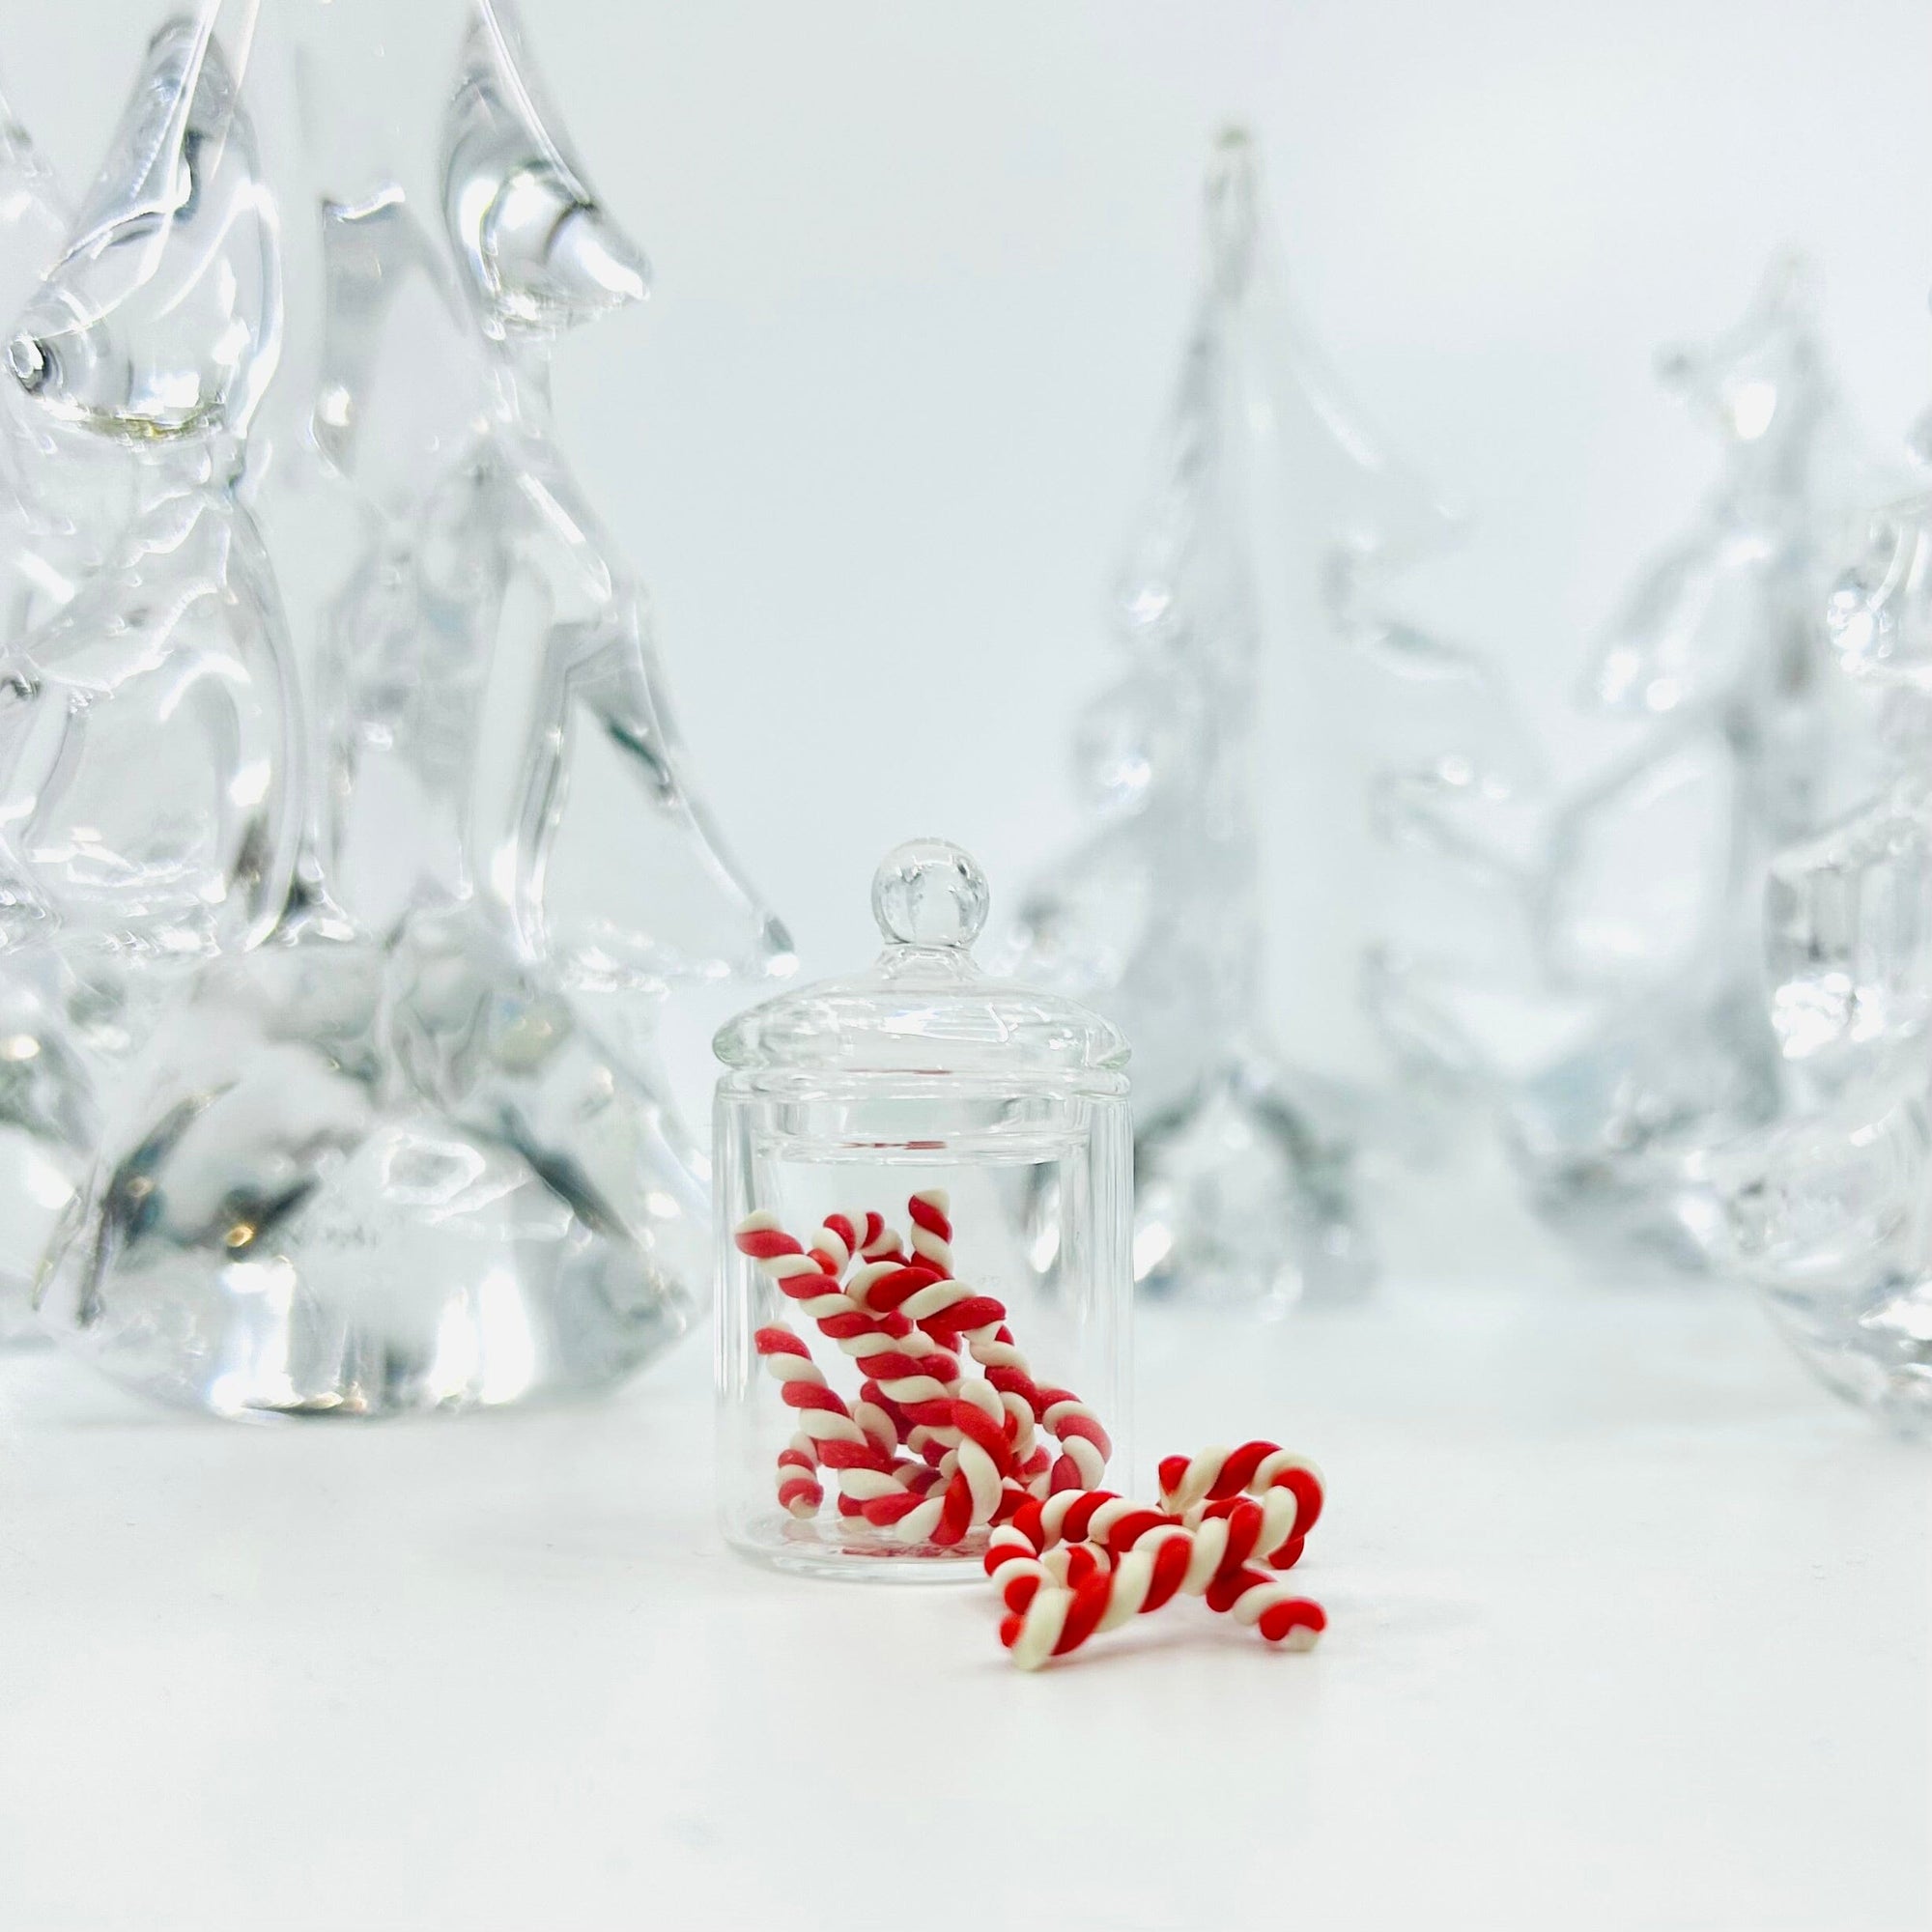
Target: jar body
x: 1036, y: 1181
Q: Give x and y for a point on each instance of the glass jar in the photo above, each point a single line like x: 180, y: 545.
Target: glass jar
x: 924, y: 1188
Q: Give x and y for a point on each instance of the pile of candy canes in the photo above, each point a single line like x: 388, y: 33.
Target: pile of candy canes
x: 929, y: 1453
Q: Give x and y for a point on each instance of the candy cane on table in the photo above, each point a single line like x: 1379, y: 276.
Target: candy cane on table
x: 1056, y: 1619
x: 1254, y: 1598
x: 1220, y: 1542
x: 1266, y: 1523
x: 927, y: 1291
x: 1137, y: 1559
x: 1256, y: 1468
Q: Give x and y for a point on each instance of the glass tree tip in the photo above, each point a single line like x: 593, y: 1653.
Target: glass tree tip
x: 1234, y: 191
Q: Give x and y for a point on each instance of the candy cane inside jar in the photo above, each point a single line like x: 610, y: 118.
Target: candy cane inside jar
x: 929, y: 1456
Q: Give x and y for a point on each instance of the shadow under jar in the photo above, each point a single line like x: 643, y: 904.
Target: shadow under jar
x: 923, y: 1187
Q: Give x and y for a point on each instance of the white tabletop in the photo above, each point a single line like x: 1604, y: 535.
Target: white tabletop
x: 1627, y: 1630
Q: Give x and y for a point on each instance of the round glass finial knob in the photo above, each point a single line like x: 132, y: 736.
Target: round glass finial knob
x: 929, y: 893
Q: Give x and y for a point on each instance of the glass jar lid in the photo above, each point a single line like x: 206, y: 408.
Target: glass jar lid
x: 923, y: 1006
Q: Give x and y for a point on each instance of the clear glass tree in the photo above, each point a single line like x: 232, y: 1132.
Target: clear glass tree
x: 403, y: 1142
x: 1274, y: 515
x: 1601, y: 986
x: 46, y: 1101
x: 145, y: 817
x: 1831, y: 1210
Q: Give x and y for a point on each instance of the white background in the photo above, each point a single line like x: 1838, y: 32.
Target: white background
x: 1630, y: 1620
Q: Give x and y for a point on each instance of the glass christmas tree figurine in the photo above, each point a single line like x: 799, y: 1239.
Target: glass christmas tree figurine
x: 406, y: 1145
x: 1831, y: 1210
x: 1273, y: 515
x: 147, y: 814
x: 1604, y: 990
x: 46, y: 1097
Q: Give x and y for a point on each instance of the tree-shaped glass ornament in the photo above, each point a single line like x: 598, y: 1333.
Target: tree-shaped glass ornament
x: 411, y: 1149
x: 1604, y: 991
x: 147, y: 816
x: 1274, y: 514
x: 1831, y: 1210
x: 46, y: 1100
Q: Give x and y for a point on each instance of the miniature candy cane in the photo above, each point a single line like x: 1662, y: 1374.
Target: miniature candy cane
x: 979, y: 1436
x: 838, y: 1441
x: 1051, y: 1619
x: 882, y: 1343
x: 1141, y: 1559
x: 1256, y: 1467
x: 1220, y: 1543
x: 811, y: 1281
x: 976, y: 1480
x: 1055, y: 1618
x: 945, y: 1309
x: 1263, y: 1525
x: 923, y: 1389
x: 1254, y: 1598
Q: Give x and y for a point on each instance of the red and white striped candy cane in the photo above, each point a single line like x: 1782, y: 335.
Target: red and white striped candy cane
x: 967, y: 1420
x: 951, y: 1312
x: 809, y: 1280
x: 1254, y: 1598
x: 1113, y: 1524
x: 975, y: 1473
x: 1256, y: 1468
x: 1142, y: 1558
x: 1012, y: 1556
x: 831, y: 1436
x: 918, y: 1395
x: 1055, y: 1619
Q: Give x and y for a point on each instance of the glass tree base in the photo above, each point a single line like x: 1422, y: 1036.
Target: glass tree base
x: 1240, y: 1201
x: 1612, y: 1141
x: 363, y: 1181
x: 1874, y: 1349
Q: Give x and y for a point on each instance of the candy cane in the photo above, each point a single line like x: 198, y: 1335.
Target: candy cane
x: 976, y: 1472
x: 809, y: 1280
x: 1254, y: 1598
x: 979, y: 1444
x: 976, y: 1437
x: 1263, y: 1524
x: 1220, y: 1543
x: 916, y: 1395
x: 836, y: 1440
x: 1054, y: 1619
x: 1134, y: 1560
x: 1256, y: 1467
x: 926, y: 1292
